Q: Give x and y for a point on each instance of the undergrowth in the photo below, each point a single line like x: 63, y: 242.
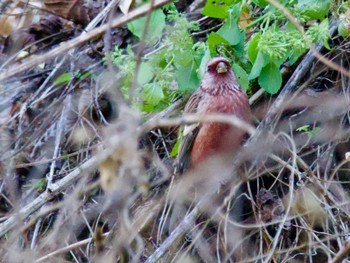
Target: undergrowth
x: 89, y: 136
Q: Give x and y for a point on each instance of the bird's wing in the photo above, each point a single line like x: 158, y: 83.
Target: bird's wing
x: 189, y: 134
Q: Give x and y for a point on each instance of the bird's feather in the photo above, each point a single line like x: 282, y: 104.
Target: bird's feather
x: 189, y: 134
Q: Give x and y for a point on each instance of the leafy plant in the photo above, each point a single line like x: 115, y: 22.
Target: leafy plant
x: 308, y: 130
x: 156, y: 25
x: 169, y: 72
x: 178, y: 62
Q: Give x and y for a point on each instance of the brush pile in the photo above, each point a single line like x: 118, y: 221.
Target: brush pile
x: 88, y: 138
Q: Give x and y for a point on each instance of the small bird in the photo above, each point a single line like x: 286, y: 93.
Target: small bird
x: 219, y: 92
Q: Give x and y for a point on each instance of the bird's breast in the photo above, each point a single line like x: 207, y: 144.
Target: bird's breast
x: 215, y: 137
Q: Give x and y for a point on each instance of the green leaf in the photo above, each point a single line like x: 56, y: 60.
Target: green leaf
x: 148, y: 108
x: 217, y: 8
x: 187, y: 78
x: 270, y: 78
x: 344, y: 28
x: 241, y: 75
x: 235, y: 10
x: 182, y: 57
x: 320, y: 32
x: 62, y: 79
x: 175, y: 150
x: 145, y: 73
x: 304, y: 128
x: 290, y: 27
x: 230, y: 31
x: 203, y: 66
x: 278, y: 61
x: 324, y: 35
x: 257, y: 66
x: 82, y: 75
x: 152, y: 93
x: 252, y: 49
x: 214, y: 40
x: 314, y: 9
x: 156, y: 25
x: 260, y: 3
x: 295, y: 54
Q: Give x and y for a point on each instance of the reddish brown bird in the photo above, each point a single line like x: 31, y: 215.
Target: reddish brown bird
x: 219, y: 92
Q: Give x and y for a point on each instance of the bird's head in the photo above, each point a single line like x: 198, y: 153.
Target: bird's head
x: 219, y: 76
x: 218, y: 66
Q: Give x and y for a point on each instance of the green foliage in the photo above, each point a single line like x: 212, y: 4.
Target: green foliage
x: 276, y: 42
x: 270, y: 78
x: 218, y: 8
x: 152, y: 93
x: 268, y: 49
x: 38, y: 184
x: 175, y: 149
x: 167, y: 73
x: 62, y: 79
x: 308, y: 130
x: 126, y: 63
x: 344, y: 28
x: 177, y: 63
x: 155, y: 28
x: 41, y: 185
x: 241, y: 75
x: 66, y: 77
x: 320, y: 32
x: 312, y: 9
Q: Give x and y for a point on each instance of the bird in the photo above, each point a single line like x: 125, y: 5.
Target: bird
x: 218, y: 93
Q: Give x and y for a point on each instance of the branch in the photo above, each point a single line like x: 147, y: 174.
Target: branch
x: 341, y: 254
x: 194, y: 118
x: 178, y: 231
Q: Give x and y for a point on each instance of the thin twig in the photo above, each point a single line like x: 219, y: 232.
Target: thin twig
x: 60, y: 126
x: 193, y: 118
x: 68, y: 248
x: 342, y: 254
x: 178, y: 231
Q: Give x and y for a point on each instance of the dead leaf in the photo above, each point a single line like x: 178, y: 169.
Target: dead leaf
x: 70, y: 9
x: 17, y: 40
x: 125, y: 6
x: 14, y: 19
x: 307, y: 202
x: 270, y: 206
x: 347, y: 156
x: 108, y: 174
x: 41, y: 31
x: 245, y: 19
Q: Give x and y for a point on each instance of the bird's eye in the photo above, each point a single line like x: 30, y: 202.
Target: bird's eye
x: 209, y: 68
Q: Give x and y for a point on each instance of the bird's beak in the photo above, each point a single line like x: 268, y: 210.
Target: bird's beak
x: 221, y: 68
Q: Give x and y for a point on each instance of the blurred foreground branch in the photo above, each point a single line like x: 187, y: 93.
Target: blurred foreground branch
x: 93, y: 162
